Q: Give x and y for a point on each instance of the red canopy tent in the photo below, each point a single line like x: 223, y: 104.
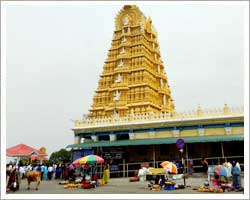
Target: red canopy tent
x: 25, y: 151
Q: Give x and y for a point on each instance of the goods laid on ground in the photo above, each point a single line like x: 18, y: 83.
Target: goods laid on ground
x: 73, y: 185
x: 86, y: 185
x: 63, y: 182
x: 226, y: 187
x: 210, y: 189
x: 155, y: 187
x: 169, y: 185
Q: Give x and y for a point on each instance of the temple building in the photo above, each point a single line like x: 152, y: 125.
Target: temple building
x: 133, y: 118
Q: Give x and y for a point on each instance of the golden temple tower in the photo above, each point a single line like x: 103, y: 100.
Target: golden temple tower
x: 133, y: 80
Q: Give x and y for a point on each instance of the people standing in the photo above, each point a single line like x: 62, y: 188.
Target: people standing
x: 71, y: 172
x: 45, y: 173
x: 106, y: 174
x: 42, y: 171
x: 190, y: 166
x: 63, y: 171
x: 204, y: 164
x: 50, y: 172
x: 29, y: 168
x: 22, y: 171
x: 13, y: 182
x: 66, y: 172
x: 236, y: 176
x: 228, y: 165
x: 58, y: 172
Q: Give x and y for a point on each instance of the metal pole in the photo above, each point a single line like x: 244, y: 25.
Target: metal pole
x: 123, y: 168
x: 127, y: 169
x: 154, y: 155
x: 222, y: 151
x: 184, y: 175
x: 187, y: 158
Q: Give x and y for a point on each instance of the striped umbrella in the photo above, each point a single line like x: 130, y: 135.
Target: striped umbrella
x: 211, y: 169
x: 90, y: 159
x: 221, y: 170
x: 169, y: 166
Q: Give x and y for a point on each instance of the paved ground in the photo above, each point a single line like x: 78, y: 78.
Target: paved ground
x: 115, y: 186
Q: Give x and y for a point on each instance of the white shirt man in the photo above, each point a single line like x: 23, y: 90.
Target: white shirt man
x: 21, y: 171
x: 50, y: 169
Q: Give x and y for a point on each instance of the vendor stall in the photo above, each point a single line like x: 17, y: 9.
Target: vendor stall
x: 88, y: 179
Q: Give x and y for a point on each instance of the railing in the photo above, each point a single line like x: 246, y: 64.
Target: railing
x: 150, y: 117
x: 131, y: 169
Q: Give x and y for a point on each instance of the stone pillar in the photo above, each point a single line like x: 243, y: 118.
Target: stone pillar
x: 94, y: 138
x: 201, y: 131
x: 112, y: 137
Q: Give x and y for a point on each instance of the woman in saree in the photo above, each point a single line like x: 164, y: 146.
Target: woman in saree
x: 105, y: 178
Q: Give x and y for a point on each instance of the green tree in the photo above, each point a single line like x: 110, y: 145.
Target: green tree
x: 60, y: 156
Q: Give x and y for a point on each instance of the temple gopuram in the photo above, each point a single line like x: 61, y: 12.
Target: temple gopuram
x: 133, y: 118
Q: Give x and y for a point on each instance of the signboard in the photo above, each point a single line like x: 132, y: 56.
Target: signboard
x: 113, y: 155
x: 180, y: 143
x: 81, y: 153
x: 106, y: 155
x: 114, y: 167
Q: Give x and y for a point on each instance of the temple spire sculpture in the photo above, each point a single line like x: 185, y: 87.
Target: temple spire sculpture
x: 133, y: 78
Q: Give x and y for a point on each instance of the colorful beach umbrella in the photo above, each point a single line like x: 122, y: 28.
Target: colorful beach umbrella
x: 169, y: 166
x: 90, y: 159
x: 212, y: 168
x: 221, y: 171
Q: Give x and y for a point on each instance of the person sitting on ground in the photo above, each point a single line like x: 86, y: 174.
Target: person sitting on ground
x: 215, y: 181
x: 157, y: 178
x: 162, y: 181
x: 94, y: 179
x: 86, y: 182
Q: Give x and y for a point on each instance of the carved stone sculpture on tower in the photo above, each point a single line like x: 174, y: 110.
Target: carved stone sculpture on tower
x: 124, y: 39
x: 117, y: 95
x: 121, y: 63
x: 122, y: 51
x: 119, y: 79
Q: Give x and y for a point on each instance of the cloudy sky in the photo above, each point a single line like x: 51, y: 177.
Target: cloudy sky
x: 55, y: 54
